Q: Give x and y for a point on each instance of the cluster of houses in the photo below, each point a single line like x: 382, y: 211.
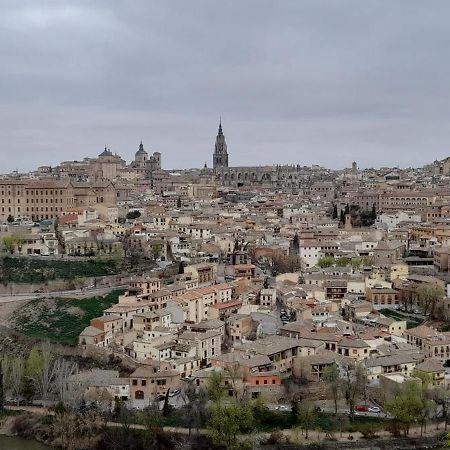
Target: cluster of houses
x: 284, y: 270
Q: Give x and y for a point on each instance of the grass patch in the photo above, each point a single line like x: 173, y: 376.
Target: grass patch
x: 411, y: 321
x: 62, y: 319
x: 41, y: 270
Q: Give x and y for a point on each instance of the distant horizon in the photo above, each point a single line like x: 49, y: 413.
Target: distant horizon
x: 307, y: 82
x: 128, y: 159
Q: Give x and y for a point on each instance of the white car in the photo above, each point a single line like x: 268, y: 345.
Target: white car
x: 283, y: 408
x: 374, y: 409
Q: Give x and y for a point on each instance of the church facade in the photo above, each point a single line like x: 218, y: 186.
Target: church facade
x: 276, y: 176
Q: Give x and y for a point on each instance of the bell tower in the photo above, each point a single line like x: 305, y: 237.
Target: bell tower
x: 220, y: 155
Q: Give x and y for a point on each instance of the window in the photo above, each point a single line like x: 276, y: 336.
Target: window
x: 135, y: 382
x: 144, y: 383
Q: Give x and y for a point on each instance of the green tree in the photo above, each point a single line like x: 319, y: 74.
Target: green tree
x: 374, y: 212
x: 167, y: 409
x: 179, y: 202
x: 228, y: 422
x: 214, y: 386
x: 342, y: 262
x: 306, y: 417
x: 10, y: 218
x: 131, y: 215
x: 426, y: 378
x: 156, y: 251
x: 9, y: 243
x: 325, y: 261
x: 407, y: 406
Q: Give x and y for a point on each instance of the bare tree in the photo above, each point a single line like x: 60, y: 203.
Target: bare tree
x: 333, y: 382
x: 68, y: 385
x: 235, y: 374
x: 16, y: 378
x: 354, y: 382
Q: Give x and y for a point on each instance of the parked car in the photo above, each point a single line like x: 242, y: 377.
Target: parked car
x: 362, y: 408
x: 283, y: 408
x: 374, y: 409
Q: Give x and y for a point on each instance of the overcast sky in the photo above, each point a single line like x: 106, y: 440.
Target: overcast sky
x: 324, y: 82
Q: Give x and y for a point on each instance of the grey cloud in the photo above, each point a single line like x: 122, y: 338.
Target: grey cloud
x: 313, y: 81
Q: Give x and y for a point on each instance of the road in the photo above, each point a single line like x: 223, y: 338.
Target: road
x: 327, y: 406
x: 78, y: 293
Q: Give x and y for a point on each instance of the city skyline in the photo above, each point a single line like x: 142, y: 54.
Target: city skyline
x: 307, y: 83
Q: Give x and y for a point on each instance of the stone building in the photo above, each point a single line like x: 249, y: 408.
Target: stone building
x: 220, y: 156
x: 37, y: 200
x: 270, y: 176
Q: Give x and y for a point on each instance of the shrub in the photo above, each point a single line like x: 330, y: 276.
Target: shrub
x: 368, y: 432
x: 275, y: 438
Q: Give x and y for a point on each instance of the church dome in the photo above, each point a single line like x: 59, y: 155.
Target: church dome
x: 141, y: 150
x: 106, y: 152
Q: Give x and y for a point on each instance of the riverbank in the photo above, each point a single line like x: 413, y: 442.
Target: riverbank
x: 42, y: 426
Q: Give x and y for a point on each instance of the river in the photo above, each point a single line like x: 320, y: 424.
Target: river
x: 15, y: 443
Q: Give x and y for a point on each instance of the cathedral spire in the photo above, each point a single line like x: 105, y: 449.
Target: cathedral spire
x: 220, y: 155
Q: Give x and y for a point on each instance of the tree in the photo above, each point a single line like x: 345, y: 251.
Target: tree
x: 343, y: 262
x: 326, y: 261
x: 306, y: 417
x: 9, y: 243
x: 428, y: 294
x: 333, y: 382
x: 10, y: 219
x: 16, y: 378
x: 285, y: 263
x: 353, y: 385
x: 131, y: 215
x: 179, y: 202
x: 214, y: 386
x: 156, y: 251
x: 407, y: 406
x: 374, y: 212
x: 44, y: 377
x: 180, y: 268
x: 167, y: 409
x: 195, y: 412
x: 235, y: 375
x: 33, y: 365
x: 227, y: 422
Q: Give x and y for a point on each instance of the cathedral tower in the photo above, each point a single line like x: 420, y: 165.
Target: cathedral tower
x: 220, y: 155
